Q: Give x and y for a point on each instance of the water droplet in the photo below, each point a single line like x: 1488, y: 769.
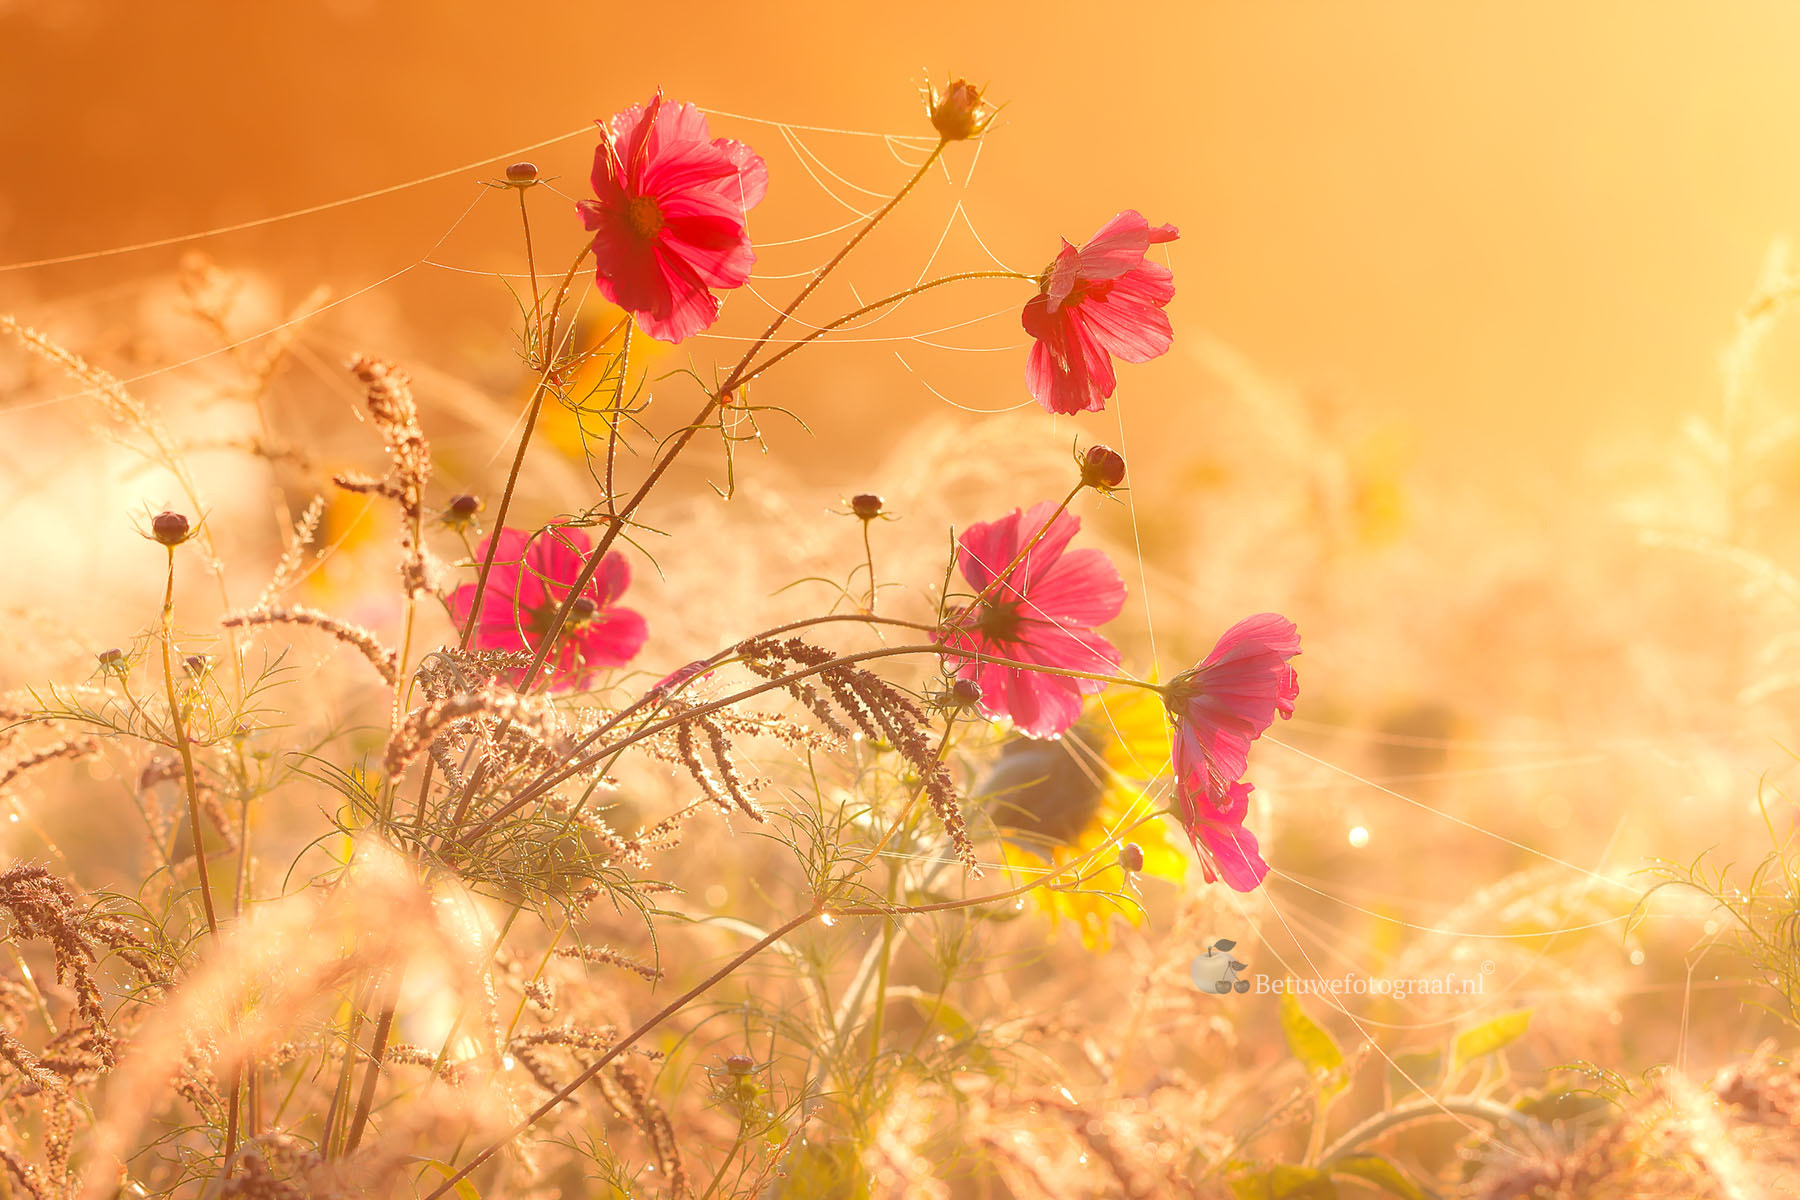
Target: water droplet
x: 827, y: 918
x: 1359, y: 837
x: 1637, y: 958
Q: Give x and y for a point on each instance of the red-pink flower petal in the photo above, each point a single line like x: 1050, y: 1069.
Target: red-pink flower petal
x: 1227, y: 850
x: 529, y: 583
x: 1098, y: 302
x: 668, y: 216
x: 1226, y: 703
x: 1041, y: 611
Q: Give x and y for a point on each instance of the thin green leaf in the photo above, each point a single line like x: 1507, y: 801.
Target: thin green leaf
x: 1491, y: 1036
x: 1315, y: 1049
x: 1372, y: 1168
x: 465, y: 1189
x: 1291, y: 1182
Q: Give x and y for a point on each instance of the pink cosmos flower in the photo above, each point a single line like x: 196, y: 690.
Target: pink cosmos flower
x: 668, y: 216
x: 530, y: 581
x: 1231, y: 852
x: 1096, y: 303
x: 1042, y: 611
x: 1219, y: 708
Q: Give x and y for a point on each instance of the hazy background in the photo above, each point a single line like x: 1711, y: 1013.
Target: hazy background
x: 1513, y: 230
x: 1453, y: 286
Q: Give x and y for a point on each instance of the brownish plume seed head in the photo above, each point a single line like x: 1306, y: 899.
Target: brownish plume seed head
x: 1131, y: 857
x: 522, y: 172
x: 1102, y: 467
x: 866, y: 505
x: 169, y: 528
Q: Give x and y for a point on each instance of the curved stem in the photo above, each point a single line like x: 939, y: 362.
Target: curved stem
x: 1424, y: 1110
x: 869, y: 562
x: 674, y: 1006
x: 378, y: 1043
x: 534, y: 407
x: 178, y: 726
x: 577, y: 765
x: 713, y: 402
x: 537, y: 297
x: 872, y: 306
x: 819, y: 908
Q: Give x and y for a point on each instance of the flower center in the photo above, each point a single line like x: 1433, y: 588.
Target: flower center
x: 999, y: 621
x: 1044, y: 794
x: 538, y: 620
x: 644, y: 217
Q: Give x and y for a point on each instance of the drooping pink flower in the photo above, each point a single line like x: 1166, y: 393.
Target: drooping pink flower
x: 1219, y: 708
x: 1097, y: 303
x: 1043, y: 610
x: 1230, y: 851
x: 529, y: 583
x: 668, y: 215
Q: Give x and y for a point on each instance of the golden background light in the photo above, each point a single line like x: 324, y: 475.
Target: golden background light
x: 1519, y: 230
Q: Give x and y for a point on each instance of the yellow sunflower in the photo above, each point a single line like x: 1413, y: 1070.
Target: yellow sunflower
x: 1088, y: 792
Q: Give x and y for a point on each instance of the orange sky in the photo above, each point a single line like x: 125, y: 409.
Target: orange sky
x: 1518, y: 227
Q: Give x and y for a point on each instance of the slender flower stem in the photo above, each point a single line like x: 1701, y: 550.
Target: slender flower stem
x: 869, y: 561
x: 612, y: 425
x: 1425, y: 1110
x: 651, y: 700
x: 625, y: 1043
x: 874, y: 305
x: 539, y: 334
x: 713, y: 402
x: 818, y: 909
x: 911, y: 806
x: 535, y: 406
x: 378, y: 1043
x: 178, y: 726
x: 575, y: 765
x: 893, y: 889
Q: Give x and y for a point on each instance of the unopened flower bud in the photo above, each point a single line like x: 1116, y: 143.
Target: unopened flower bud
x: 866, y: 505
x: 113, y: 659
x: 169, y: 528
x: 957, y: 112
x: 522, y: 172
x: 965, y: 693
x: 740, y: 1064
x: 584, y: 609
x: 1102, y: 467
x: 197, y: 664
x: 1131, y: 857
x: 461, y: 511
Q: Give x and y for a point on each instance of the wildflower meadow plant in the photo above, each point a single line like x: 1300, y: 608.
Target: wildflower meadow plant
x: 418, y: 995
